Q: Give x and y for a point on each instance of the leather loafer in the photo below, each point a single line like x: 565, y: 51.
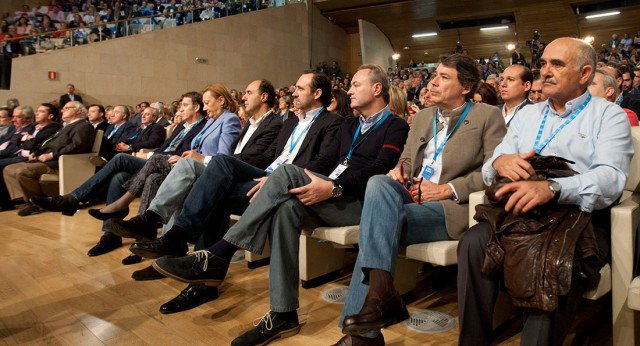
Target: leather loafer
x: 376, y: 314
x: 67, y: 204
x: 136, y: 228
x: 131, y: 259
x: 147, y: 274
x: 355, y: 340
x: 189, y: 298
x: 29, y: 209
x: 159, y: 248
x: 107, y: 243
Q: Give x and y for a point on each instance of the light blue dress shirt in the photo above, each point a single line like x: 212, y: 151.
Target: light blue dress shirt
x: 598, y: 140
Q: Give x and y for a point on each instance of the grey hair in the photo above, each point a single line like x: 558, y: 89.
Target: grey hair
x: 585, y: 55
x: 608, y: 80
x: 378, y: 75
x: 27, y: 111
x: 81, y: 107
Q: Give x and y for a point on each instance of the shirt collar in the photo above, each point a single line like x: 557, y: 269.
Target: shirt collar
x: 570, y: 106
x: 373, y: 119
x: 309, y: 115
x: 256, y: 123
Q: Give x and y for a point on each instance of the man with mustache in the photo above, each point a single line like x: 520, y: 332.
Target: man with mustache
x: 589, y: 131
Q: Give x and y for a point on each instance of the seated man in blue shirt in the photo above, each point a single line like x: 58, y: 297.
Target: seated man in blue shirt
x: 589, y: 131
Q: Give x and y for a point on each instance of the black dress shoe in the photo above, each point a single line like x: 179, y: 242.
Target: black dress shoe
x: 6, y: 208
x: 146, y: 274
x: 67, y: 204
x: 273, y: 325
x: 189, y: 298
x: 159, y: 248
x: 199, y: 267
x: 131, y: 259
x: 376, y: 314
x: 108, y: 242
x: 96, y: 213
x: 355, y: 340
x: 136, y: 227
x: 29, y: 209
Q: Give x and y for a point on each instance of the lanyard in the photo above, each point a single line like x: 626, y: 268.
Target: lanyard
x: 112, y: 132
x: 178, y: 139
x: 446, y: 138
x: 135, y: 135
x: 293, y: 142
x: 619, y: 101
x: 539, y: 146
x: 196, y: 144
x: 357, y: 134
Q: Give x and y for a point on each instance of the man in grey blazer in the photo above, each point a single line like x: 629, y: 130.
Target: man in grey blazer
x: 424, y: 199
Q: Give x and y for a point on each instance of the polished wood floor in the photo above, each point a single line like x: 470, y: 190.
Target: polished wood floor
x: 52, y: 293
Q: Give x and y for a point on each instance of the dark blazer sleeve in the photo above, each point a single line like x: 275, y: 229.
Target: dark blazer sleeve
x: 75, y: 138
x: 186, y: 142
x: 49, y: 130
x: 323, y: 153
x: 152, y: 137
x: 255, y: 152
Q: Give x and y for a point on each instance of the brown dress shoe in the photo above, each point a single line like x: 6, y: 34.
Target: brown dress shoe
x: 355, y: 340
x: 376, y: 314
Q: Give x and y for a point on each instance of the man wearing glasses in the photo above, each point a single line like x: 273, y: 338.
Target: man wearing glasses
x: 423, y: 199
x: 75, y: 137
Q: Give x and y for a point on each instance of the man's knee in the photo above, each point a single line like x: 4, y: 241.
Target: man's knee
x: 474, y: 241
x: 379, y: 181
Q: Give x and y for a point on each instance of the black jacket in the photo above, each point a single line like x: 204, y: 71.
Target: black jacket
x: 255, y: 152
x: 150, y: 138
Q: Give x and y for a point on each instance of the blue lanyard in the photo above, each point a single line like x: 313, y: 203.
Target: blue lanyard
x: 112, y: 132
x: 446, y: 138
x: 619, y: 101
x: 539, y: 146
x: 355, y: 136
x: 294, y: 141
x: 138, y: 132
x: 196, y: 144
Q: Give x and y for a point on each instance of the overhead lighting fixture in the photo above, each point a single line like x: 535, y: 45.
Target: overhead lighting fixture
x: 588, y: 39
x: 426, y: 34
x: 406, y: 48
x: 606, y: 14
x: 487, y: 28
x: 511, y: 46
x: 395, y: 56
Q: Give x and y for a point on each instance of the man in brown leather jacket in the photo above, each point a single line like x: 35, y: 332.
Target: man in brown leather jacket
x: 591, y: 132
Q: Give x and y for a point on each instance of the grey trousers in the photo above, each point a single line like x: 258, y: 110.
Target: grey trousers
x: 280, y: 215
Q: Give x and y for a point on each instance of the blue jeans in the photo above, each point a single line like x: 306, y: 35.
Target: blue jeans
x: 389, y: 218
x: 117, y: 171
x: 280, y: 215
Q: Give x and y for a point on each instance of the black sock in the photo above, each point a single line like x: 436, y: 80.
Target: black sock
x: 150, y: 217
x: 223, y: 249
x: 175, y: 234
x: 289, y: 316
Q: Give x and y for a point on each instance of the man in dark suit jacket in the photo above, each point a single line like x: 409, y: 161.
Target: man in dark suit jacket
x: 77, y: 136
x: 27, y: 143
x: 95, y: 116
x: 149, y: 135
x: 119, y: 130
x: 69, y: 96
x: 514, y: 89
x: 307, y: 141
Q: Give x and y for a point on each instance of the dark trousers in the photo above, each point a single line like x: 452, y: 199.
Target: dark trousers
x: 477, y: 297
x: 5, y: 199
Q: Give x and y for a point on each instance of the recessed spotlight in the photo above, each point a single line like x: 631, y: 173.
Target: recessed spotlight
x: 406, y: 48
x: 606, y: 14
x: 395, y: 56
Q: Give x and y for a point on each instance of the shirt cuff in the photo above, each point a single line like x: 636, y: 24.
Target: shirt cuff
x: 455, y: 194
x: 207, y: 159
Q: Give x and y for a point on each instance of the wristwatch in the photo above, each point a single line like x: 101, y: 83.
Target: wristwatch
x: 555, y: 187
x: 337, y: 189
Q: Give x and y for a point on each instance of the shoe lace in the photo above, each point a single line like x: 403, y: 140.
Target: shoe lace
x: 202, y: 255
x: 268, y: 322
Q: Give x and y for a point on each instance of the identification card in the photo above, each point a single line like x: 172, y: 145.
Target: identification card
x: 277, y: 163
x: 338, y: 170
x: 427, y: 172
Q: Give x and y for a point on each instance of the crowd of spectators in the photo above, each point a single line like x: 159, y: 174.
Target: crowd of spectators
x: 94, y: 20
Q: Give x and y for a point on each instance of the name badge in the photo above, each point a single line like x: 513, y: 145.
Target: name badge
x: 277, y: 163
x: 427, y: 172
x: 338, y: 170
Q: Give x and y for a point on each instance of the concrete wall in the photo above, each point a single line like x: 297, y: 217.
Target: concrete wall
x: 329, y: 42
x: 271, y: 43
x: 376, y: 48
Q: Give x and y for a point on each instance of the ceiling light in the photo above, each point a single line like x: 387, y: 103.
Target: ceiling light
x: 588, y: 39
x: 395, y: 56
x: 494, y: 28
x: 606, y: 14
x: 426, y: 34
x: 406, y: 48
x: 511, y: 46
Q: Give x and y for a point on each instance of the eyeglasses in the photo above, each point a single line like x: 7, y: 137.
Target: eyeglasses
x: 407, y: 184
x: 68, y: 108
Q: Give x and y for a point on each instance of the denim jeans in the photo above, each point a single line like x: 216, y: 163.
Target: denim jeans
x: 112, y: 176
x: 280, y: 215
x: 389, y: 218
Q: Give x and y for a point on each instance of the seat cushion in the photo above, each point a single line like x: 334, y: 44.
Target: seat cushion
x: 633, y: 299
x: 442, y: 253
x: 604, y: 286
x: 347, y: 235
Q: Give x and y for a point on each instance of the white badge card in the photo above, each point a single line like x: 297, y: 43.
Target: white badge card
x: 337, y: 171
x: 277, y: 163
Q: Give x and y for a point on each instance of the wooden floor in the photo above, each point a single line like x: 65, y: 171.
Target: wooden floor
x: 52, y: 293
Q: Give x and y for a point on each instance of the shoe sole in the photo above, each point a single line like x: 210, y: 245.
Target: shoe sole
x: 153, y: 254
x: 207, y: 282
x: 283, y: 334
x: 363, y: 328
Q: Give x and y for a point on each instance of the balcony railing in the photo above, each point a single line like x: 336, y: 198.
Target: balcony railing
x: 59, y: 39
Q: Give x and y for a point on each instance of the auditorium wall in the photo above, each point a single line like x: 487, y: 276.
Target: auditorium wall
x: 272, y: 43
